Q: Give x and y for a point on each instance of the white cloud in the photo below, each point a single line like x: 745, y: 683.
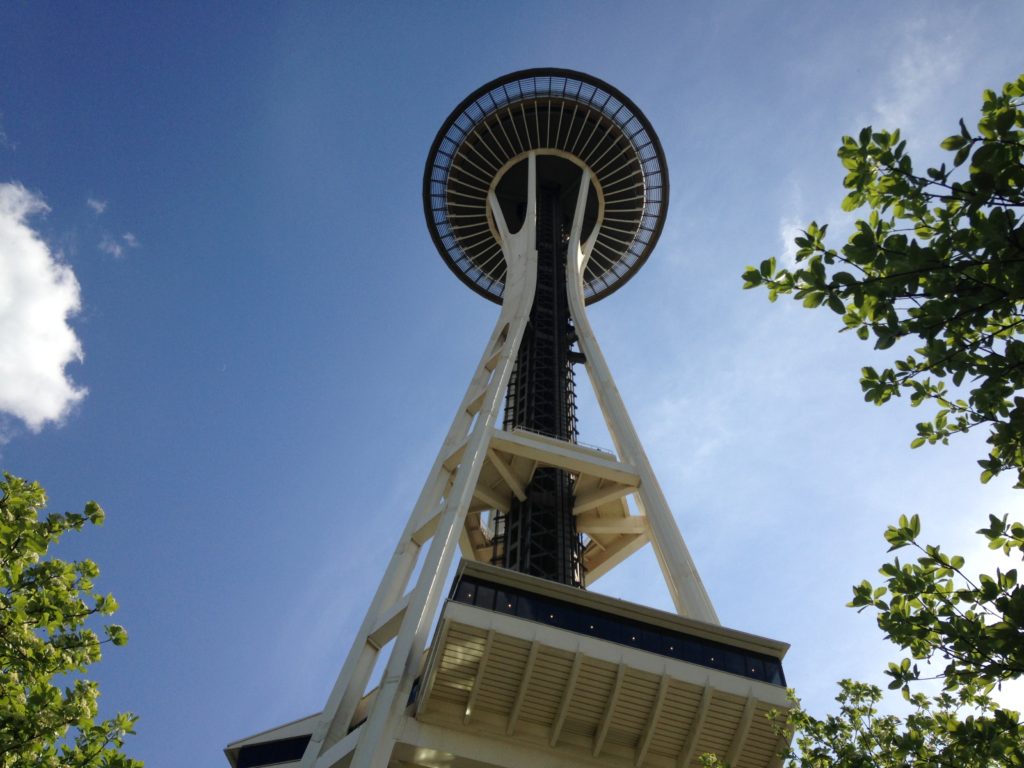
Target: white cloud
x: 99, y: 206
x: 37, y: 296
x: 130, y: 240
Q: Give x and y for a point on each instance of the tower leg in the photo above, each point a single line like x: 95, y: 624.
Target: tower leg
x: 439, y: 515
x: 677, y: 566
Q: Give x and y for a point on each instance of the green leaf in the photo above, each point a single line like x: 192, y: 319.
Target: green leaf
x: 117, y: 634
x: 94, y: 513
x: 953, y: 142
x: 1004, y: 120
x: 813, y: 299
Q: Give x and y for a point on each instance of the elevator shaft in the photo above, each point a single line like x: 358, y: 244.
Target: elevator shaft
x: 538, y: 534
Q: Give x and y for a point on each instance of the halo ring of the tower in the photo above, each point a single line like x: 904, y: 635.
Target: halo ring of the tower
x: 555, y: 113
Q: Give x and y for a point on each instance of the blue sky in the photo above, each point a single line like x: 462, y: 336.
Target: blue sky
x: 250, y: 349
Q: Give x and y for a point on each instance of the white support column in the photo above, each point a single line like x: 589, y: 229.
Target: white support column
x: 740, y: 736
x: 685, y: 756
x: 684, y: 583
x: 484, y: 399
x: 609, y: 713
x: 652, y: 721
x: 337, y: 714
x: 478, y: 680
x: 348, y: 689
x: 524, y: 685
x: 567, y: 694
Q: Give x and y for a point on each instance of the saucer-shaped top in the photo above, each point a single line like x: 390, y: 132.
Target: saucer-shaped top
x: 569, y: 119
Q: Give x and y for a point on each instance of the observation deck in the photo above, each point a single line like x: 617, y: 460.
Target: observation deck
x: 572, y: 121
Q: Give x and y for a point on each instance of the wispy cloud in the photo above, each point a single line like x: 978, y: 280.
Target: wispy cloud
x: 790, y: 228
x: 37, y: 296
x: 116, y: 247
x: 916, y: 78
x: 5, y: 142
x: 111, y: 246
x: 99, y: 206
x: 792, y: 223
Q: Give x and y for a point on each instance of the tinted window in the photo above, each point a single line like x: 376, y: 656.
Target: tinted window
x: 618, y: 629
x: 465, y: 592
x: 773, y: 672
x: 755, y: 667
x: 735, y: 662
x: 686, y: 649
x: 485, y: 596
x: 505, y: 601
x: 527, y: 607
x: 714, y: 656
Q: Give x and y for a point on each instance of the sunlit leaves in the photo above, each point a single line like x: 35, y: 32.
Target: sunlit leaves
x: 969, y: 630
x: 48, y: 711
x: 937, y: 261
x: 973, y: 625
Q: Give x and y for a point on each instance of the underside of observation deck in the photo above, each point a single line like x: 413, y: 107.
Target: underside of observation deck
x: 554, y: 112
x: 526, y: 672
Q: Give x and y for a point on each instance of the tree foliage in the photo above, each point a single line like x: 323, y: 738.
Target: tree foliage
x: 48, y: 710
x: 940, y: 260
x: 971, y: 633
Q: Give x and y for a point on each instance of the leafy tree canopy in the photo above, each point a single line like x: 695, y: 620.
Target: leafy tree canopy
x: 940, y: 260
x: 46, y: 642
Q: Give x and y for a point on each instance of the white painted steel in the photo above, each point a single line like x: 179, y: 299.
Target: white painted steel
x: 520, y: 252
x: 652, y: 721
x: 517, y: 706
x: 690, y: 745
x: 471, y: 427
x: 684, y: 583
x: 404, y: 612
x: 740, y: 737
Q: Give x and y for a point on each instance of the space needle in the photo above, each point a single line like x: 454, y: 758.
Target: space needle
x: 484, y: 645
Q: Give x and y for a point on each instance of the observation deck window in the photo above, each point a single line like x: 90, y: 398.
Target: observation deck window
x: 584, y: 620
